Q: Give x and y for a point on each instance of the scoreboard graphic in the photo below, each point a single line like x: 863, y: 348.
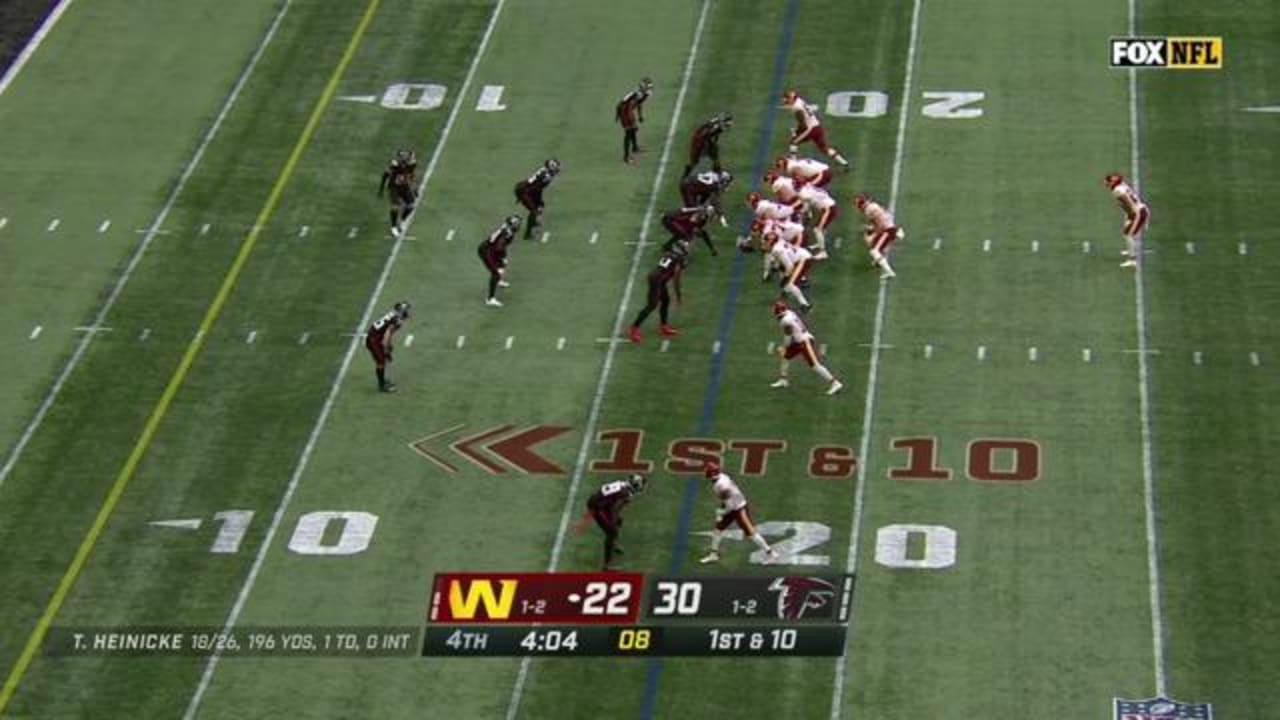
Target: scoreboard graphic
x: 629, y: 615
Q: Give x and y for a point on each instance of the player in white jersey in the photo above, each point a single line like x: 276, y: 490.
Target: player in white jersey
x: 823, y: 209
x: 799, y: 343
x: 794, y: 262
x: 808, y: 126
x: 788, y: 231
x: 804, y: 170
x: 1136, y: 217
x: 879, y: 232
x: 733, y: 509
x: 782, y: 186
x: 768, y: 209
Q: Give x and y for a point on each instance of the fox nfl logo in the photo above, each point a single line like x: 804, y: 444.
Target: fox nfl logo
x: 1174, y: 53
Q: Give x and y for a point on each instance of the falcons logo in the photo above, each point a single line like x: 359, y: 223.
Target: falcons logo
x: 797, y: 594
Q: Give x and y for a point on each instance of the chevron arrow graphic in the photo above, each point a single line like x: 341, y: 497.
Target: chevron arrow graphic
x: 491, y: 447
x: 515, y: 449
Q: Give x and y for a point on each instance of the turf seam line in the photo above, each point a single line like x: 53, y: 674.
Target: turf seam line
x: 597, y: 400
x: 34, y: 44
x: 100, y: 318
x: 873, y: 370
x: 175, y: 382
x: 654, y: 667
x: 305, y: 456
x: 1144, y: 397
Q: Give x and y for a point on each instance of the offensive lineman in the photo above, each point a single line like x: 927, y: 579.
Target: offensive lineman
x: 1136, y: 216
x: 400, y: 175
x: 732, y: 510
x: 378, y: 340
x: 799, y: 341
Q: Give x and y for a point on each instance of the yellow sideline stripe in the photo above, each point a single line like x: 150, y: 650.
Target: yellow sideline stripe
x: 188, y: 358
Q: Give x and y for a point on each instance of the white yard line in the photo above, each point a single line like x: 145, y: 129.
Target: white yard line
x: 33, y: 45
x: 1144, y: 396
x: 246, y: 588
x: 100, y: 318
x: 873, y: 368
x: 597, y: 401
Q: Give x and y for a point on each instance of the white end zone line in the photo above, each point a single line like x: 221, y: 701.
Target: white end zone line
x: 305, y: 457
x: 593, y: 416
x: 23, y: 57
x: 873, y: 369
x: 100, y: 318
x: 1144, y: 397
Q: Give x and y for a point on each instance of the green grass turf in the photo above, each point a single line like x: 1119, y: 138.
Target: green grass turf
x: 1048, y: 600
x: 97, y: 127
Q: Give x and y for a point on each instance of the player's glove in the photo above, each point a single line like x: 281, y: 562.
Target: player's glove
x: 719, y: 514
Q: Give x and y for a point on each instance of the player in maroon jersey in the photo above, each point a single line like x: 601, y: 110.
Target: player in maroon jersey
x: 605, y: 507
x: 706, y: 142
x: 378, y: 339
x: 670, y: 265
x: 630, y: 113
x: 685, y: 223
x: 400, y: 177
x: 705, y: 188
x: 493, y: 253
x: 529, y: 193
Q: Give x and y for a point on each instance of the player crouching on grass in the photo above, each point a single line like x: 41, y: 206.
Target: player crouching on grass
x: 493, y: 253
x: 605, y: 507
x: 379, y: 340
x: 732, y: 510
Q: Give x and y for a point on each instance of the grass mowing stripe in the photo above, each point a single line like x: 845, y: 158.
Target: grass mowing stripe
x: 1144, y: 391
x: 873, y: 367
x: 184, y: 366
x: 34, y: 44
x: 356, y: 340
x: 597, y: 400
x: 653, y: 671
x: 100, y: 318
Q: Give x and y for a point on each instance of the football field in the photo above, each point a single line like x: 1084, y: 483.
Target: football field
x: 1047, y: 474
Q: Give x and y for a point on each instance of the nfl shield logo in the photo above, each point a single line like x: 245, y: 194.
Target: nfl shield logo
x: 1161, y: 709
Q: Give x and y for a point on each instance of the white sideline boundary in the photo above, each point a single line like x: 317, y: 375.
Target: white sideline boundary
x: 99, y: 320
x: 593, y: 416
x: 873, y: 369
x: 246, y: 588
x: 33, y: 44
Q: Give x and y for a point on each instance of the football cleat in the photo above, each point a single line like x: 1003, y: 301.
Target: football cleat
x: 493, y: 302
x: 710, y: 557
x: 387, y: 387
x: 667, y: 331
x: 836, y: 386
x: 887, y: 272
x: 635, y: 336
x: 504, y: 284
x: 821, y: 255
x: 1129, y: 264
x: 772, y: 556
x: 780, y: 383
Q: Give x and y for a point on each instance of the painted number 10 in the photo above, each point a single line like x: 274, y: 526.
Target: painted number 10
x: 988, y: 459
